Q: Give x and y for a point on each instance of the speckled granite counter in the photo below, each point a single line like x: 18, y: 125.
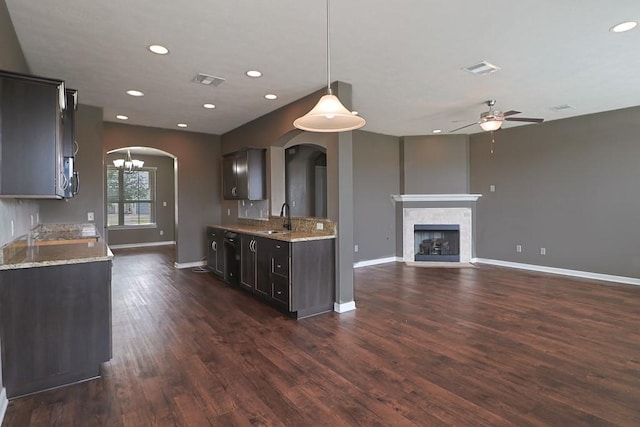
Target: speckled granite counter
x: 63, y: 244
x: 303, y: 229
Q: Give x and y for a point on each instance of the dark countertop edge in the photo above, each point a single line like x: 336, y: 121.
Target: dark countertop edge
x: 293, y: 236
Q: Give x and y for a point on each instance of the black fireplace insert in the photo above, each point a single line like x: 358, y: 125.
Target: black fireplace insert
x: 437, y: 242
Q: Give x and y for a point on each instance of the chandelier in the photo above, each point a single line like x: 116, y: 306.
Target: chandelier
x: 128, y: 164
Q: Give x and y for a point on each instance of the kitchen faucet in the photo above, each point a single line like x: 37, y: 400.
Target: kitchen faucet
x: 287, y: 223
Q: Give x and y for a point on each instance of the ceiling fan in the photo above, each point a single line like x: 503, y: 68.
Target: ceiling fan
x: 492, y: 120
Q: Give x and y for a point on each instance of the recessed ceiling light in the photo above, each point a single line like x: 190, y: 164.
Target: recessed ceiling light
x: 134, y: 92
x: 437, y: 131
x: 157, y: 49
x: 209, y: 106
x: 182, y: 125
x: 253, y: 73
x: 122, y: 117
x: 623, y: 26
x: 271, y: 96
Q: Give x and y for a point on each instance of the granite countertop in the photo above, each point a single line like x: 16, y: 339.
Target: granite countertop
x: 65, y: 244
x: 283, y: 235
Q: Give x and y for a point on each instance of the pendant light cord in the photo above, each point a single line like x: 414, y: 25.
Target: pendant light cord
x: 328, y: 52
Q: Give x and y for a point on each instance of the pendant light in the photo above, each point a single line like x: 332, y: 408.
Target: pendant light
x: 329, y: 115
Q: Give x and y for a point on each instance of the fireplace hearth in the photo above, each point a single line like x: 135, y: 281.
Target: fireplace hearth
x: 437, y: 242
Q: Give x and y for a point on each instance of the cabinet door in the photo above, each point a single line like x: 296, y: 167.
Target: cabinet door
x: 31, y: 138
x: 229, y: 185
x: 215, y: 255
x: 242, y: 175
x: 263, y: 274
x: 248, y: 261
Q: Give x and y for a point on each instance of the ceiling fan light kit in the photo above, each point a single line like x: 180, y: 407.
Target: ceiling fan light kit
x: 493, y: 119
x: 329, y: 114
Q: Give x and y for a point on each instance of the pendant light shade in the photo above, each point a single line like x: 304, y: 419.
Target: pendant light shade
x: 329, y: 115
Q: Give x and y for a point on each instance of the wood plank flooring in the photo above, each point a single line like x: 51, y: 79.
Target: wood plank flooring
x: 480, y: 346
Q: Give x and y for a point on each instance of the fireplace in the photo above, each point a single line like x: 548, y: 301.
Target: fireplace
x: 437, y: 242
x: 453, y: 211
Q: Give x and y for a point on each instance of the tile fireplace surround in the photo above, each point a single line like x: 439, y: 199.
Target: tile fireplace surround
x: 432, y: 213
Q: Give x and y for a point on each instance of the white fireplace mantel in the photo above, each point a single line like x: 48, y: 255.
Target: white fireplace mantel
x: 436, y: 197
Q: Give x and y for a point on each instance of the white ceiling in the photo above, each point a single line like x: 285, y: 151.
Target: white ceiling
x: 403, y: 58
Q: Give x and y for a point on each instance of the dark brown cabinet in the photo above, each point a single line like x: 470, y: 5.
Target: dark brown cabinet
x: 243, y: 175
x: 248, y: 261
x: 69, y: 145
x: 31, y: 137
x: 215, y: 251
x: 55, y: 325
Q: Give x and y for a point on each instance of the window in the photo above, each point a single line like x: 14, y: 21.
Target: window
x: 131, y: 197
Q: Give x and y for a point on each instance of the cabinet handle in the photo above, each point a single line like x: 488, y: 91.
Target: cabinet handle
x: 278, y: 246
x: 279, y: 292
x: 233, y: 191
x: 214, y: 246
x: 279, y: 266
x: 252, y: 246
x: 76, y: 182
x: 75, y: 147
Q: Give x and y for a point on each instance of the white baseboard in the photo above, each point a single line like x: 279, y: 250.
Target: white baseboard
x: 344, y: 307
x: 370, y: 262
x: 181, y: 265
x: 560, y: 271
x: 3, y: 404
x: 141, y: 245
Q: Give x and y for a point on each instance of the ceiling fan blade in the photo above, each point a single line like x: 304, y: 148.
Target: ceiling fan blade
x: 465, y: 126
x: 511, y: 113
x: 524, y: 119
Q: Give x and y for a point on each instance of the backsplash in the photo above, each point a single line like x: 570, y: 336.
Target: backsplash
x: 24, y: 214
x: 254, y: 209
x: 303, y: 224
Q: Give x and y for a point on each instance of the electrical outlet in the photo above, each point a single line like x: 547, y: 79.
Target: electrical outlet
x: 492, y: 188
x: 543, y: 251
x: 355, y: 248
x: 31, y: 220
x: 228, y: 212
x: 293, y: 204
x: 319, y: 226
x: 518, y: 248
x: 164, y: 204
x: 162, y: 232
x: 12, y: 230
x: 90, y: 216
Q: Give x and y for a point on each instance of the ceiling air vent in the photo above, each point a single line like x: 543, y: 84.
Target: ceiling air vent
x: 207, y: 79
x: 562, y: 107
x: 481, y: 68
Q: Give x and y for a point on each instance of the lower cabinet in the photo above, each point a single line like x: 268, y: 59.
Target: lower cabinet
x: 298, y: 277
x: 55, y: 325
x: 215, y: 251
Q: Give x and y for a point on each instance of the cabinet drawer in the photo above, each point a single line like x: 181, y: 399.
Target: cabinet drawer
x: 214, y: 233
x: 280, y: 289
x: 280, y: 263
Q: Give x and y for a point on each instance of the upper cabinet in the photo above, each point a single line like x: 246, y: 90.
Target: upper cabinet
x: 244, y: 175
x: 31, y: 137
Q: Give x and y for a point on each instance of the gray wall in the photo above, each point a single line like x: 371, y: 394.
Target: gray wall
x: 88, y: 163
x: 165, y: 192
x: 571, y: 186
x: 437, y: 164
x: 376, y: 176
x: 276, y: 129
x: 199, y: 179
x: 12, y: 59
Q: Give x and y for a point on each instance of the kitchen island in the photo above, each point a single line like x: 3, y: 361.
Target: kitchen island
x: 55, y: 311
x: 293, y: 270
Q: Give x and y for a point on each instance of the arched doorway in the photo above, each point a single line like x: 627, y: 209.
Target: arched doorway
x: 141, y: 205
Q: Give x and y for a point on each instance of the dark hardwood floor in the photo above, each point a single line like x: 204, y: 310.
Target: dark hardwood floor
x: 427, y: 346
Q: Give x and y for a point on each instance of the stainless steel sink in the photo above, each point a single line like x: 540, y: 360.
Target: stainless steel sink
x: 274, y: 231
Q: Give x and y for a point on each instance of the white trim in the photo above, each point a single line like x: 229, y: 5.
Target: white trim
x: 560, y: 271
x: 3, y: 404
x: 181, y: 265
x: 344, y: 307
x: 141, y: 245
x: 436, y: 197
x: 370, y: 262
